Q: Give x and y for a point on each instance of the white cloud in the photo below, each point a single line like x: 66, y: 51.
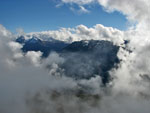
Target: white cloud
x: 81, y: 10
x: 132, y: 76
x: 81, y: 5
x: 14, y: 46
x: 21, y: 76
x: 82, y: 32
x: 79, y: 2
x: 135, y: 10
x: 34, y: 57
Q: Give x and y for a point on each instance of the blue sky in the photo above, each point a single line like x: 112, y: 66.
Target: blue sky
x: 41, y: 15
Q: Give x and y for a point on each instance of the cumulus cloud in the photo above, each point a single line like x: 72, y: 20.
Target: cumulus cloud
x: 82, y: 32
x: 22, y: 75
x: 137, y: 11
x: 34, y: 57
x: 132, y: 76
x: 26, y: 78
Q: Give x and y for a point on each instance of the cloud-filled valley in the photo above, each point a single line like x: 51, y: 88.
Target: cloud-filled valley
x: 80, y: 70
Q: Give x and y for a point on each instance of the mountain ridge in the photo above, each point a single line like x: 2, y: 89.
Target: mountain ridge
x: 83, y: 59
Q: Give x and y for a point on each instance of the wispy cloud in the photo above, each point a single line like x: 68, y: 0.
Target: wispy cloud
x: 81, y: 10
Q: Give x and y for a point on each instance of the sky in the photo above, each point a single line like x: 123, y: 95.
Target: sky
x: 42, y: 15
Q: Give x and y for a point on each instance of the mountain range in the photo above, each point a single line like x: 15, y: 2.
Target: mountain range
x: 83, y: 59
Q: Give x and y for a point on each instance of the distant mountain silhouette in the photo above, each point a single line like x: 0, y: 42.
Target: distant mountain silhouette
x: 83, y: 59
x: 36, y: 44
